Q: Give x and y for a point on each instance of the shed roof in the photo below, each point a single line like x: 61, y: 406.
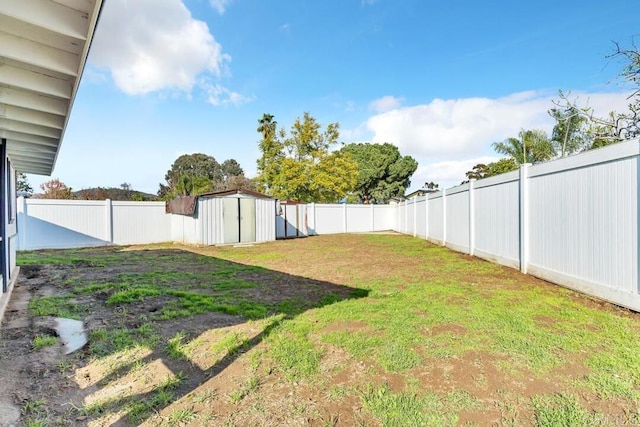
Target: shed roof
x: 43, y: 48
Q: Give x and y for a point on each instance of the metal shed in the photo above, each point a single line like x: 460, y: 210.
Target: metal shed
x: 226, y: 217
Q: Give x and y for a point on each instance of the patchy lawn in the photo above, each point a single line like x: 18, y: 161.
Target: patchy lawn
x: 332, y: 330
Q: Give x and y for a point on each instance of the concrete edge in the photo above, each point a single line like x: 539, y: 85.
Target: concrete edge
x: 5, y: 297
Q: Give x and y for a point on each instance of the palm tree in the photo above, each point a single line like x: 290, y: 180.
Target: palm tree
x: 267, y: 126
x: 531, y: 146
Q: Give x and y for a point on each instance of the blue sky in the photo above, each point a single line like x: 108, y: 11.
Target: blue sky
x: 441, y: 80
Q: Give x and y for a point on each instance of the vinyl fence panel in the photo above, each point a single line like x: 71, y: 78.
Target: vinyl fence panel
x: 584, y: 222
x: 140, y: 222
x: 50, y: 224
x: 436, y: 218
x: 457, y: 218
x: 497, y: 219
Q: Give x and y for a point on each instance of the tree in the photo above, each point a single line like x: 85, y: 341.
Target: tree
x: 22, y: 185
x: 231, y: 168
x: 271, y: 149
x: 299, y: 166
x: 191, y: 174
x: 238, y: 182
x: 615, y: 127
x: 431, y: 186
x: 55, y: 189
x: 568, y: 136
x: 480, y: 171
x: 531, y: 146
x: 382, y: 172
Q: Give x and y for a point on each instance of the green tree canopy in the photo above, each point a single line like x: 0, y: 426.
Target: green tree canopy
x: 299, y: 165
x: 569, y: 133
x: 199, y: 173
x: 22, y: 185
x: 382, y: 172
x: 480, y: 171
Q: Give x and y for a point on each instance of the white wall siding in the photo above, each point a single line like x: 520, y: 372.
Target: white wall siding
x: 139, y: 222
x: 497, y: 219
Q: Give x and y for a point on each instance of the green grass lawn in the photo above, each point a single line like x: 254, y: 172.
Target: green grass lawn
x: 342, y: 330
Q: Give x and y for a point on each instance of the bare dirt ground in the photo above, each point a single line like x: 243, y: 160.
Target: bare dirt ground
x: 209, y: 382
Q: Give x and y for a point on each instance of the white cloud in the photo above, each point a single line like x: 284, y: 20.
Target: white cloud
x: 455, y: 128
x: 449, y: 137
x: 447, y: 173
x: 220, y: 5
x: 386, y: 103
x: 218, y: 95
x: 155, y: 45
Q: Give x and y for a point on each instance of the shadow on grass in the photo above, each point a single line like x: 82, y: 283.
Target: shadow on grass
x: 147, y: 297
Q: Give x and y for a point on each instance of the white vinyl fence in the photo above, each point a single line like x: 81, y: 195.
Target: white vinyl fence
x: 44, y: 224
x: 572, y: 221
x: 343, y: 218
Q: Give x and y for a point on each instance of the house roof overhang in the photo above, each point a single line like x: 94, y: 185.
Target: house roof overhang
x: 43, y: 48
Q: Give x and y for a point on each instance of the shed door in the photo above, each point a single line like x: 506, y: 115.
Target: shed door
x: 247, y: 220
x: 231, y: 220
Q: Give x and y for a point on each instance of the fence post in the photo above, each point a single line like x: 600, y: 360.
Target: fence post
x: 109, y: 221
x: 472, y: 215
x: 426, y: 217
x: 524, y: 217
x: 313, y: 216
x: 406, y: 217
x: 444, y: 217
x: 344, y: 217
x: 373, y: 221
